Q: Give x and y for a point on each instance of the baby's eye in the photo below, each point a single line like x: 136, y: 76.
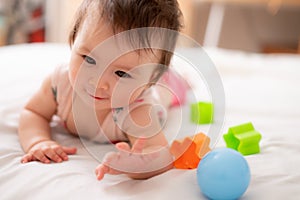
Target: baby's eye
x: 122, y: 74
x: 89, y: 60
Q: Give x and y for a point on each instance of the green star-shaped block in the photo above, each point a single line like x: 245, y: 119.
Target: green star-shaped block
x: 202, y: 112
x: 243, y: 138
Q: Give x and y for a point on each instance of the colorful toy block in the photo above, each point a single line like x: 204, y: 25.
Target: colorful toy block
x: 202, y: 112
x: 243, y: 138
x: 189, y: 151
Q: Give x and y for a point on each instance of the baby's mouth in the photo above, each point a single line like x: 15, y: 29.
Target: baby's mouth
x: 93, y: 95
x: 97, y: 98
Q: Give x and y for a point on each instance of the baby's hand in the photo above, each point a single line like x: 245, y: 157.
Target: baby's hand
x: 126, y: 160
x: 47, y: 151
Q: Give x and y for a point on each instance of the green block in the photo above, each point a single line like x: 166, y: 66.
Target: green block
x: 243, y: 138
x: 202, y: 112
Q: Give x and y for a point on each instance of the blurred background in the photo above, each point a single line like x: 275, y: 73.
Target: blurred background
x: 264, y: 26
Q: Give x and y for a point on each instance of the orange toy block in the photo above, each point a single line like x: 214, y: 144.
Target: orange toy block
x: 189, y: 151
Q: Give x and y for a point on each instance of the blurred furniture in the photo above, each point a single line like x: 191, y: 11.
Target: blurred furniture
x: 21, y: 21
x: 252, y: 25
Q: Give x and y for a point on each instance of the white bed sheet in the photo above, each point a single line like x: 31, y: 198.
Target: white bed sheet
x: 261, y: 89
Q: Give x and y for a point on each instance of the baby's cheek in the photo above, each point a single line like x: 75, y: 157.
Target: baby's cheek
x: 123, y: 96
x: 72, y: 76
x: 73, y: 72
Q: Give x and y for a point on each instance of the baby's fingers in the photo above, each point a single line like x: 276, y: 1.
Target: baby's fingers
x: 123, y: 146
x: 103, y: 169
x: 138, y: 145
x: 59, y: 153
x: 27, y: 158
x: 39, y: 155
x: 69, y: 150
x: 63, y: 152
x: 54, y: 154
x: 34, y: 156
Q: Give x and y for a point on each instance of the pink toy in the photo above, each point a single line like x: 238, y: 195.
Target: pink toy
x: 177, y: 85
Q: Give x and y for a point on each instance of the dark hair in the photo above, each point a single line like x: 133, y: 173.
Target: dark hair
x: 125, y: 15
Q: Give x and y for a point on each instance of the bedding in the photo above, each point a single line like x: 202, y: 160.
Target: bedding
x: 262, y: 89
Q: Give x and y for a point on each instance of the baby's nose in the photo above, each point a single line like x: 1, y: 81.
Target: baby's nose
x: 99, y: 84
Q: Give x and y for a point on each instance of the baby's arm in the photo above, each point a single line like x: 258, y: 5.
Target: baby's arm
x: 34, y: 129
x: 148, y: 156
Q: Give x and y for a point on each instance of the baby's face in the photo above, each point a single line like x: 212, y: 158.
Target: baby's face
x: 105, y: 71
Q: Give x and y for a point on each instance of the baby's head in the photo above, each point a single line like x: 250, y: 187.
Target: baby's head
x: 123, y: 15
x: 98, y: 20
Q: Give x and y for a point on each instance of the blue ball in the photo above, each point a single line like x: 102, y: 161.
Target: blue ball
x: 223, y: 174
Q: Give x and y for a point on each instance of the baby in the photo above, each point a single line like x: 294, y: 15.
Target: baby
x: 109, y: 91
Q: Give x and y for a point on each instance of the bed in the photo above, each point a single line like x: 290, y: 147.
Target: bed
x: 262, y: 89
